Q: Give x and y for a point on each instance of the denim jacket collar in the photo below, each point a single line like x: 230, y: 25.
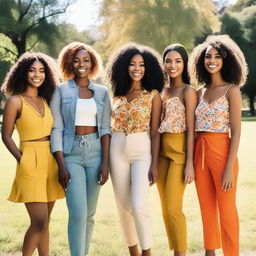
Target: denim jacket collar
x: 73, y: 84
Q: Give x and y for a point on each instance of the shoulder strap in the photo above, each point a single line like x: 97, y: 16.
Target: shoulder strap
x: 228, y: 89
x: 153, y: 93
x: 181, y: 91
x: 21, y: 97
x: 203, y: 89
x: 44, y: 101
x: 203, y: 92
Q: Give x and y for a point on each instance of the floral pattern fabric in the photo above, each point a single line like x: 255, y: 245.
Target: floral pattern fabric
x: 213, y: 117
x: 134, y: 116
x: 173, y: 118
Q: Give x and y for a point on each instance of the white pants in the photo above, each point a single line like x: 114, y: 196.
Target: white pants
x: 130, y: 160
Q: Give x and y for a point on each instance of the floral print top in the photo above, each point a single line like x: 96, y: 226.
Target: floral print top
x: 134, y: 116
x: 213, y: 117
x: 173, y: 118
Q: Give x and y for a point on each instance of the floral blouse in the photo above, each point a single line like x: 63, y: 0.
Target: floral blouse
x: 213, y: 117
x: 134, y: 116
x: 173, y: 119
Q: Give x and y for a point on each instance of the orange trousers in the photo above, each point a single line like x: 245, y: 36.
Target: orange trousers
x: 217, y: 206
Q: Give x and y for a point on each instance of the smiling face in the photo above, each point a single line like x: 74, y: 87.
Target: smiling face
x: 136, y: 69
x: 173, y: 64
x: 36, y: 74
x: 82, y: 64
x: 213, y: 61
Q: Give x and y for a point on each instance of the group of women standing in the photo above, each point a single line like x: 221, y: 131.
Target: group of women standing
x: 162, y: 131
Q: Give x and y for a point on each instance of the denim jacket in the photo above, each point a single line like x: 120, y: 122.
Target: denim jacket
x: 63, y: 108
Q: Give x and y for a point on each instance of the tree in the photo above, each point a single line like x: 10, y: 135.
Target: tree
x: 156, y: 23
x: 241, y: 27
x: 241, y: 4
x: 26, y: 22
x: 67, y: 33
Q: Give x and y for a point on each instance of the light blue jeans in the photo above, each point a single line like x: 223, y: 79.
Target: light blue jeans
x: 83, y: 163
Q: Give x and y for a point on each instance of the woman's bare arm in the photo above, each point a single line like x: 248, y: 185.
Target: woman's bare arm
x: 12, y: 110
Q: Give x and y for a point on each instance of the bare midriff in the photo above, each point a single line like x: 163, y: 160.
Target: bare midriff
x: 46, y: 138
x: 83, y: 130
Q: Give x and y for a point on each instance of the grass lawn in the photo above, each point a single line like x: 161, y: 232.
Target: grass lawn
x: 247, y: 117
x: 107, y: 240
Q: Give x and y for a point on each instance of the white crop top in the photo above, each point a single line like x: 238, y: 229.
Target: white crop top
x: 86, y: 111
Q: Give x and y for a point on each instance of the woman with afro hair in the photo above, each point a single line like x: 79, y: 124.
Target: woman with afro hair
x: 219, y: 66
x: 80, y: 139
x: 136, y: 78
x: 30, y: 83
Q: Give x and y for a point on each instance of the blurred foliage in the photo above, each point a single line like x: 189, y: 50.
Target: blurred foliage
x: 240, y: 25
x: 241, y: 4
x: 34, y: 25
x: 156, y: 23
x: 66, y: 33
x: 27, y: 22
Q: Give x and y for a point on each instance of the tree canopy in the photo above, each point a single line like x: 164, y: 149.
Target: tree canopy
x: 156, y: 23
x: 27, y: 22
x: 240, y: 25
x: 35, y: 25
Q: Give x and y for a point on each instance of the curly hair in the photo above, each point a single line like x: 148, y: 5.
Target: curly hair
x: 117, y: 69
x: 184, y: 55
x: 234, y: 69
x: 16, y: 82
x: 67, y: 55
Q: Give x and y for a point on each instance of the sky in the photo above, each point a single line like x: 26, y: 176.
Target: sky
x: 84, y: 13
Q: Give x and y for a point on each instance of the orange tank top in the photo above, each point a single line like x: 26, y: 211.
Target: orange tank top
x: 31, y: 125
x: 213, y: 117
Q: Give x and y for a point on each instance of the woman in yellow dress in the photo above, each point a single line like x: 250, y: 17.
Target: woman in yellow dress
x: 30, y: 83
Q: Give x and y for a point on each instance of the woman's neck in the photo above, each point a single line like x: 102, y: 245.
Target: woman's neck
x: 82, y: 81
x: 216, y: 80
x: 31, y: 92
x: 176, y: 82
x: 136, y: 86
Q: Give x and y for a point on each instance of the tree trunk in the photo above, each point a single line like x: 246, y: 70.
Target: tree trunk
x: 20, y: 42
x: 252, y: 108
x: 21, y: 46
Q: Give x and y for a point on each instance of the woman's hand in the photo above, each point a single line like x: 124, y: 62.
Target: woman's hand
x: 64, y: 177
x: 227, y: 179
x: 103, y: 174
x: 189, y: 173
x: 18, y: 158
x: 153, y: 174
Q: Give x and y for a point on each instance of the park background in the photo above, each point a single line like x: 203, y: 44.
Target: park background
x: 48, y: 25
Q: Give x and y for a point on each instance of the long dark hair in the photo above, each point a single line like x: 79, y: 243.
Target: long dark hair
x: 117, y: 71
x: 16, y: 79
x: 234, y: 69
x: 231, y: 70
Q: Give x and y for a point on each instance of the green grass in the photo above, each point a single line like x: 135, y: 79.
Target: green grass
x: 107, y: 240
x: 247, y: 117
